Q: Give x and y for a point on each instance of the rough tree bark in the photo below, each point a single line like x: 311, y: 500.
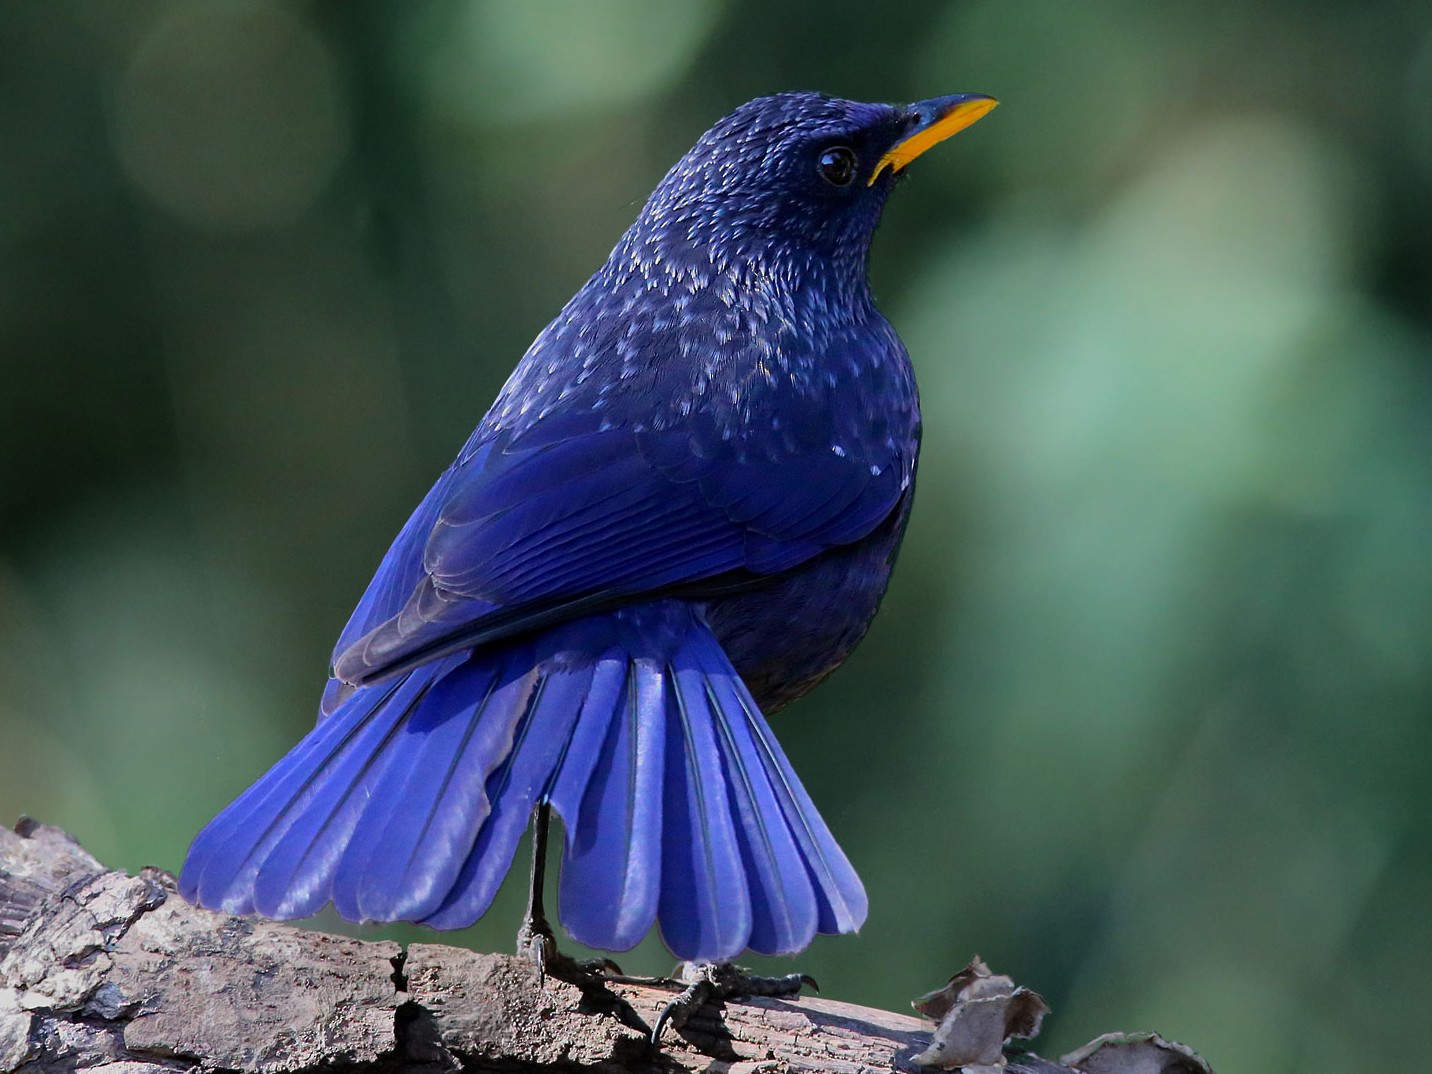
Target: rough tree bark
x: 104, y: 972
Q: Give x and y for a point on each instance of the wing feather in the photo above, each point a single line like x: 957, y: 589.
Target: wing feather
x: 518, y: 532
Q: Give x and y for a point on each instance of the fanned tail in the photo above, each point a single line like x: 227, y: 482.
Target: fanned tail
x: 408, y: 801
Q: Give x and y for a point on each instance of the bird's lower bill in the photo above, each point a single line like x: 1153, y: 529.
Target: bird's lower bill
x: 948, y: 120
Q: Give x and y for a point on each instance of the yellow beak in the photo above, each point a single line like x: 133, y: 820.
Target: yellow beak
x: 935, y: 120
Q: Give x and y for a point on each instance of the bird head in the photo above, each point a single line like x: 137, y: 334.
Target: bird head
x: 796, y: 175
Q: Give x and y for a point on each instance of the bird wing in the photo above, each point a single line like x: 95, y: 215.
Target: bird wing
x: 529, y: 530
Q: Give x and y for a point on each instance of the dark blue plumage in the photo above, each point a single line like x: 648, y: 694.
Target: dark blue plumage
x: 683, y: 508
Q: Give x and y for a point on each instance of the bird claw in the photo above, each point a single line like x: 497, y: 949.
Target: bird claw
x: 535, y: 940
x: 712, y: 982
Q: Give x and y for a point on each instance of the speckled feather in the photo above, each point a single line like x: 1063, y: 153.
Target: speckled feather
x: 684, y: 506
x: 731, y: 342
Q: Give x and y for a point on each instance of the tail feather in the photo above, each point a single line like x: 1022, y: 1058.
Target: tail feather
x: 611, y: 871
x: 407, y: 802
x: 403, y: 861
x: 228, y: 857
x: 784, y: 913
x: 840, y: 896
x: 514, y: 788
x: 296, y: 877
x: 606, y: 697
x: 705, y: 904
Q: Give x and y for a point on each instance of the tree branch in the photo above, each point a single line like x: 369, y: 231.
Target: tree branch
x: 107, y: 972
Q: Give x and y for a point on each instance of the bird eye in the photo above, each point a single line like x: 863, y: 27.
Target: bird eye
x: 838, y: 165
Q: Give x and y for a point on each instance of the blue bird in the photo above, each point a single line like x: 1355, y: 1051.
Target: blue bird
x: 680, y: 514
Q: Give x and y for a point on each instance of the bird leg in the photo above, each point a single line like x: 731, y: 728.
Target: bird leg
x: 706, y: 982
x: 713, y: 982
x: 535, y: 938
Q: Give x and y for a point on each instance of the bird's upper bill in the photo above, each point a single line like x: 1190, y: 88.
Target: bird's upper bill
x: 932, y: 122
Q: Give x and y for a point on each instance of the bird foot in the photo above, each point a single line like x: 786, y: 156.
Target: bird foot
x: 712, y: 982
x: 536, y: 941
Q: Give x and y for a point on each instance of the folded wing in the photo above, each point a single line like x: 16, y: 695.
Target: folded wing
x: 530, y: 531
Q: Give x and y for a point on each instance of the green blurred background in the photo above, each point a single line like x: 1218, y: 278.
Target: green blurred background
x: 1145, y: 720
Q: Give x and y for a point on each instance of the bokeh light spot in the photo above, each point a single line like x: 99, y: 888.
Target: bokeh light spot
x: 512, y: 62
x: 230, y: 116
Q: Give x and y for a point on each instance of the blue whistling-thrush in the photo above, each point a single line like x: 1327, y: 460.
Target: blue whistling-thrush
x: 681, y: 511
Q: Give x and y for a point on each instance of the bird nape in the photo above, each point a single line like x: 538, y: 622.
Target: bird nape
x: 681, y: 513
